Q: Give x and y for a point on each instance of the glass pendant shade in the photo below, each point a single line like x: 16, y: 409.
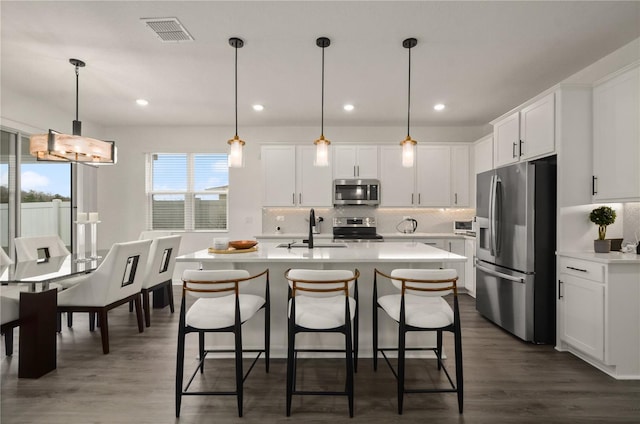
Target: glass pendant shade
x: 236, y: 159
x: 408, y: 151
x: 322, y: 152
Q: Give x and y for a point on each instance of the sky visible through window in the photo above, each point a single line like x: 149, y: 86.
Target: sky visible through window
x: 52, y: 178
x: 209, y: 170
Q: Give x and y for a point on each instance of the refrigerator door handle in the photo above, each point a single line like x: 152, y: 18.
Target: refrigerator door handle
x: 491, y: 199
x: 497, y: 216
x: 498, y: 274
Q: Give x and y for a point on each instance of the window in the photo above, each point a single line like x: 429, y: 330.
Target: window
x: 187, y: 191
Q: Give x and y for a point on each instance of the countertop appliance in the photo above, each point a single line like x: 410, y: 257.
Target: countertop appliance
x: 355, y: 229
x: 464, y: 227
x: 515, y: 249
x: 356, y: 192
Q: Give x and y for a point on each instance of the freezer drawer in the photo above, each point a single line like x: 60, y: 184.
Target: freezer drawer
x: 506, y: 298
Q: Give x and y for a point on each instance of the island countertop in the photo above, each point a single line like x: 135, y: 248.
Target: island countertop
x: 367, y: 252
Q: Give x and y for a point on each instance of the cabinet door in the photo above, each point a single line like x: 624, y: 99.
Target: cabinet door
x: 470, y: 267
x: 344, y: 161
x: 396, y: 182
x: 367, y: 166
x: 537, y: 128
x: 456, y: 246
x: 616, y: 138
x: 483, y: 155
x: 279, y: 175
x: 314, y: 183
x: 506, y: 140
x: 460, y: 176
x: 433, y: 176
x: 583, y: 314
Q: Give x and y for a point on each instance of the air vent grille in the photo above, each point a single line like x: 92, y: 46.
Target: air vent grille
x: 169, y: 30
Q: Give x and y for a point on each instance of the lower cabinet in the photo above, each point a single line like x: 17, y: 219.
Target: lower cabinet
x: 598, y: 312
x: 470, y: 266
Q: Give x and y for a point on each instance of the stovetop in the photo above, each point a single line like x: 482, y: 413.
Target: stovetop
x: 355, y: 229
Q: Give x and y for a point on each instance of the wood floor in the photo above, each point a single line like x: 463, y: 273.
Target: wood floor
x: 506, y: 381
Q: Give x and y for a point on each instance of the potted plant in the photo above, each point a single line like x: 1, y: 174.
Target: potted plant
x: 602, y: 217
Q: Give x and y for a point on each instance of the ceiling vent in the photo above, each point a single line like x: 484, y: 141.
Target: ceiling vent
x: 169, y: 30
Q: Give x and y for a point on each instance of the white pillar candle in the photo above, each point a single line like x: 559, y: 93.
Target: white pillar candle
x: 82, y: 217
x: 93, y: 216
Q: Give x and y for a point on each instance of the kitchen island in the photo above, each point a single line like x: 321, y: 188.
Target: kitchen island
x: 366, y: 256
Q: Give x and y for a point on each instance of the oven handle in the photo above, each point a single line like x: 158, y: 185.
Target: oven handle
x: 498, y: 274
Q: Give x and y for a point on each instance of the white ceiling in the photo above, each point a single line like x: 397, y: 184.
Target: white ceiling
x: 479, y: 58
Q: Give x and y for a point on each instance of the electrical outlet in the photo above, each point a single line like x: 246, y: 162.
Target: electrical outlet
x: 280, y: 218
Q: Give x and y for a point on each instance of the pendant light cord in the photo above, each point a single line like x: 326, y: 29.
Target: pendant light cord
x: 322, y: 99
x: 236, y: 88
x: 409, y: 95
x: 77, y: 90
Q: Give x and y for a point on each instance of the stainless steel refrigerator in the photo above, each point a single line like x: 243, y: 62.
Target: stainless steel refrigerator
x: 515, y: 265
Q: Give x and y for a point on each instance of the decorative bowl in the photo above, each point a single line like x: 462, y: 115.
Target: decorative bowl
x: 242, y: 244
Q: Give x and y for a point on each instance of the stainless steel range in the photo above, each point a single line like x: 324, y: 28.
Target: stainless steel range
x: 355, y: 229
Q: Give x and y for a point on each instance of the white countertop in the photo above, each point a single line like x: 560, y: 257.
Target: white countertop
x: 605, y: 258
x: 371, y: 252
x: 396, y: 235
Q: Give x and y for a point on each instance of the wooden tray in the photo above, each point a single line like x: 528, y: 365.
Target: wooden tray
x: 232, y: 250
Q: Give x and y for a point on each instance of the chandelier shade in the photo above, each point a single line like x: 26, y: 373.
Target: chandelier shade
x: 59, y: 147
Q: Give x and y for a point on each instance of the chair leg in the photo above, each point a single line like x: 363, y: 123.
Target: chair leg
x: 170, y: 296
x: 350, y: 368
x: 355, y: 341
x: 375, y: 336
x: 59, y: 322
x: 104, y: 330
x: 180, y: 359
x: 439, y: 348
x: 267, y: 337
x: 290, y: 358
x: 8, y: 342
x: 401, y: 358
x: 145, y: 306
x: 69, y: 319
x: 239, y: 371
x: 92, y: 321
x: 201, y: 350
x: 131, y: 306
x: 459, y: 374
x: 138, y: 305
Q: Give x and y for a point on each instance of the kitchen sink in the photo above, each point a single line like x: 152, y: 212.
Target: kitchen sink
x: 306, y: 245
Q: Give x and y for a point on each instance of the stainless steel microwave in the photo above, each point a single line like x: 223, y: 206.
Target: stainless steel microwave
x: 356, y: 192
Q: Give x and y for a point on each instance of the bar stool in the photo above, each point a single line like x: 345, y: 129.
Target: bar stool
x: 220, y: 307
x: 322, y: 301
x: 420, y: 306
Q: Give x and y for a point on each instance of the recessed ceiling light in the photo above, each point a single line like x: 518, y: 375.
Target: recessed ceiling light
x: 142, y: 102
x: 258, y: 108
x: 348, y: 107
x: 439, y: 106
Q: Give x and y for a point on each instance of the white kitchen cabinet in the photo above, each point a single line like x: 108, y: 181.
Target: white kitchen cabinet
x: 470, y: 266
x: 440, y: 177
x: 483, y: 154
x: 350, y: 161
x: 397, y: 183
x: 457, y: 246
x: 616, y: 138
x: 598, y: 311
x: 526, y: 134
x: 290, y: 179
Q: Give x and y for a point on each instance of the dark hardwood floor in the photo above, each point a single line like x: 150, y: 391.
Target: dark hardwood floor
x: 506, y: 381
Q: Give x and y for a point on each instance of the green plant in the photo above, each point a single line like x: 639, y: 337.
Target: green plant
x: 602, y: 217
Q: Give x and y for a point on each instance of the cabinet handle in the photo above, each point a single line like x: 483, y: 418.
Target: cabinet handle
x: 412, y: 198
x: 455, y: 202
x: 300, y: 198
x: 577, y: 269
x: 520, y: 147
x: 358, y: 168
x: 354, y: 171
x: 419, y: 195
x: 513, y: 150
x: 560, y: 289
x: 594, y: 183
x: 293, y: 198
x: 449, y: 246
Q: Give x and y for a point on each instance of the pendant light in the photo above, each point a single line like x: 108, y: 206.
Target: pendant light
x: 236, y: 159
x: 59, y: 147
x: 322, y: 144
x: 408, y: 144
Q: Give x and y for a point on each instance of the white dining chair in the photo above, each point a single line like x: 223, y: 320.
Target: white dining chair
x: 9, y: 318
x: 159, y: 271
x: 322, y: 301
x: 116, y: 281
x: 40, y: 247
x: 4, y: 258
x: 420, y: 307
x: 222, y: 305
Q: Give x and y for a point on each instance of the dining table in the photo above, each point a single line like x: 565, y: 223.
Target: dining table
x: 33, y: 283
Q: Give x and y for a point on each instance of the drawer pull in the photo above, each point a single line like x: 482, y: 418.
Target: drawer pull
x: 560, y: 289
x: 576, y: 269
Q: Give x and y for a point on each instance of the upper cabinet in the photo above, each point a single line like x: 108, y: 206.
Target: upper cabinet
x: 440, y: 177
x: 483, y: 154
x: 526, y: 134
x: 351, y: 161
x: 616, y: 138
x: 290, y: 179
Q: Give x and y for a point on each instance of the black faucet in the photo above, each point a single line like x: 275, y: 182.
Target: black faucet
x: 312, y: 223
